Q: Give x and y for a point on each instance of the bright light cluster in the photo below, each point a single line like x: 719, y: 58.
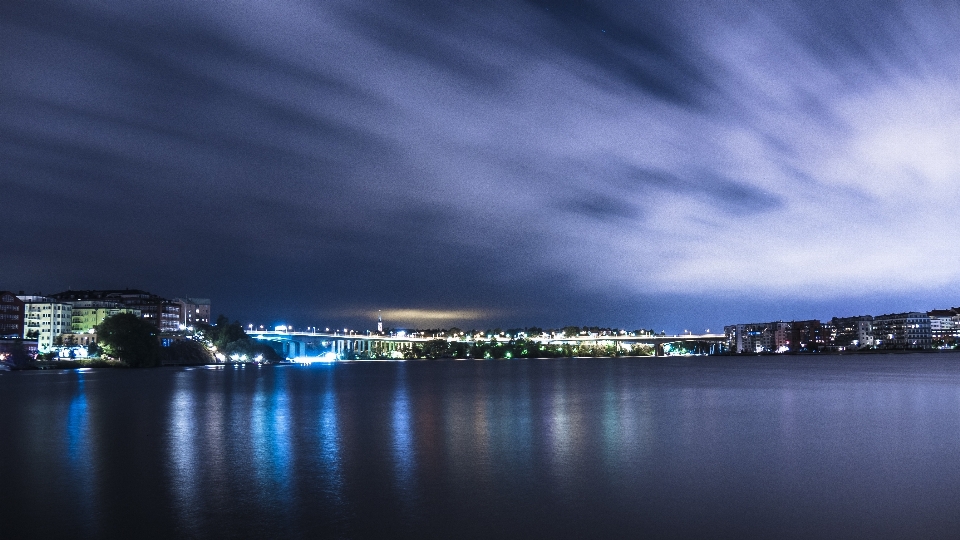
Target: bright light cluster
x: 324, y: 358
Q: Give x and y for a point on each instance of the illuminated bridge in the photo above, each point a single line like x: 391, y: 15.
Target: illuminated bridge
x: 301, y: 344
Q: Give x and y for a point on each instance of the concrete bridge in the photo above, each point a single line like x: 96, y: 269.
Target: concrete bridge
x: 298, y: 344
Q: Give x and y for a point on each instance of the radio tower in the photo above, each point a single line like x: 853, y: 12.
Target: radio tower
x: 379, y: 323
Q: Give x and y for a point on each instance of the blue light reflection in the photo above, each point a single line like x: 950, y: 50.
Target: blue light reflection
x: 330, y: 451
x: 403, y: 441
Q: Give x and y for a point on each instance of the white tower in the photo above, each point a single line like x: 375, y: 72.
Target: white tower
x: 379, y: 322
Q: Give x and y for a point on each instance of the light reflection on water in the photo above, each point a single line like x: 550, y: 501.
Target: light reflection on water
x: 523, y: 448
x: 270, y: 443
x: 404, y: 451
x: 330, y: 452
x: 81, y: 453
x: 184, y: 459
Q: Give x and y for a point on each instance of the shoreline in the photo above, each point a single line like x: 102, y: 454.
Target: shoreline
x: 71, y: 365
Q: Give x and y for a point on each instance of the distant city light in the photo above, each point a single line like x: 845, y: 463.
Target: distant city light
x: 324, y: 358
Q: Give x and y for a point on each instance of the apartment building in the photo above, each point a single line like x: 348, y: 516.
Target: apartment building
x: 162, y: 313
x: 193, y: 311
x: 12, y: 314
x: 45, y: 319
x: 909, y: 330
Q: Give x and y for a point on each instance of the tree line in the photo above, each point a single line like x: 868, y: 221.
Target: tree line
x: 131, y: 341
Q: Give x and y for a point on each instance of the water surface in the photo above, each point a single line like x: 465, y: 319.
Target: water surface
x: 862, y: 446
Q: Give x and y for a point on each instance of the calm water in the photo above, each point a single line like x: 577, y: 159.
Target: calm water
x: 832, y: 447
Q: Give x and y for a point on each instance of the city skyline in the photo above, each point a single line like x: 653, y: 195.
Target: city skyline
x: 537, y: 163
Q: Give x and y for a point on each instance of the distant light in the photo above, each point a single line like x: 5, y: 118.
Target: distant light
x: 281, y: 328
x: 324, y: 358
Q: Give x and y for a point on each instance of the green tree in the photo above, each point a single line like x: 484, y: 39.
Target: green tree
x: 130, y: 339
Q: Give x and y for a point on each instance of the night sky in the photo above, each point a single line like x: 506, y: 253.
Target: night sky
x: 677, y: 165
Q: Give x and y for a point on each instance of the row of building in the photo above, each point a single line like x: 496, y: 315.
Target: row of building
x: 71, y: 317
x: 910, y: 330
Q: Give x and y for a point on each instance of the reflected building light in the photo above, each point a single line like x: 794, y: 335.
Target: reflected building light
x: 80, y: 450
x: 77, y: 421
x: 560, y: 431
x: 330, y: 447
x: 272, y: 450
x: 612, y: 427
x: 403, y: 444
x: 182, y: 449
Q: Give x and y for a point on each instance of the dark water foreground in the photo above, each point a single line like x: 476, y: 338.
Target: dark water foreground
x: 582, y: 448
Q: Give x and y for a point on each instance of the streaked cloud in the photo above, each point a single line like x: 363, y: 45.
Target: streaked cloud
x: 419, y: 316
x: 555, y: 162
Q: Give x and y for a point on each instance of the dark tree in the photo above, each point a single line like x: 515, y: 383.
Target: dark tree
x: 437, y: 348
x: 19, y: 356
x: 130, y: 339
x: 186, y: 352
x: 571, y: 331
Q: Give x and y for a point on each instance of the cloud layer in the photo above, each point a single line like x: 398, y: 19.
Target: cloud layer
x: 546, y: 162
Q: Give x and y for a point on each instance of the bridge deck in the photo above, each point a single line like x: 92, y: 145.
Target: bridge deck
x: 310, y: 336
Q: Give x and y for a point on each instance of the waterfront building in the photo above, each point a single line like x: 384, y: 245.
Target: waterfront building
x: 12, y: 314
x: 807, y: 336
x: 162, y: 313
x: 88, y: 314
x: 909, y: 330
x: 78, y: 340
x: 944, y: 327
x: 777, y: 336
x: 45, y: 319
x: 193, y: 311
x: 8, y: 347
x: 757, y: 337
x: 850, y: 333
